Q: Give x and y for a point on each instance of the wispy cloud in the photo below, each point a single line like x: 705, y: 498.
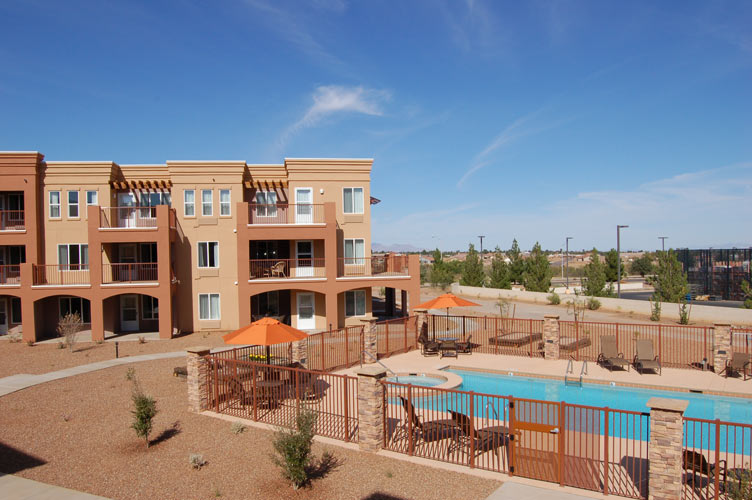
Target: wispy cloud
x: 472, y: 26
x: 332, y: 100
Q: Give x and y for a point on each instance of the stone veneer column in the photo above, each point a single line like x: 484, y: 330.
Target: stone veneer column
x: 197, y: 379
x: 422, y: 315
x: 300, y: 352
x: 551, y: 337
x: 665, y: 449
x: 721, y: 346
x: 370, y: 408
x: 369, y: 341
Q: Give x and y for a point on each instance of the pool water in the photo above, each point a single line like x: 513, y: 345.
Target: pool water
x: 421, y: 380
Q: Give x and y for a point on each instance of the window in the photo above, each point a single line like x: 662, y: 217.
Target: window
x: 149, y: 307
x: 353, y: 200
x: 355, y: 303
x: 207, y: 202
x: 71, y: 305
x: 154, y: 198
x: 208, y: 254
x: 73, y: 257
x: 355, y: 251
x: 266, y: 204
x: 208, y: 306
x: 73, y: 204
x: 189, y: 203
x: 92, y: 198
x: 224, y: 202
x: 54, y: 204
x: 15, y: 310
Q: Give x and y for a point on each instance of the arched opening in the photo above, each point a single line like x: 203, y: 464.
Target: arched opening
x: 302, y: 309
x: 50, y: 310
x: 389, y: 303
x: 130, y: 313
x: 10, y: 315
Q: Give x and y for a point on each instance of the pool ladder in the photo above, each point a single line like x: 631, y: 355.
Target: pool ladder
x: 375, y: 360
x: 570, y: 370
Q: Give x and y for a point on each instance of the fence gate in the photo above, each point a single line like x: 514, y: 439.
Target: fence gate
x: 536, y: 451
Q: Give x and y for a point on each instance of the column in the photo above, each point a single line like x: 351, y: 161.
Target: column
x: 198, y: 371
x: 665, y: 449
x: 369, y: 340
x: 28, y: 318
x: 403, y: 306
x: 721, y: 346
x: 551, y: 337
x: 300, y: 351
x: 370, y: 408
x: 389, y: 301
x: 422, y: 321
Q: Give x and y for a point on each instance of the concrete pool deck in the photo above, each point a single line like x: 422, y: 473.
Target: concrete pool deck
x: 671, y: 378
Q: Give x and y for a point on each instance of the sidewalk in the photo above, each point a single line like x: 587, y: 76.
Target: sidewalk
x: 18, y: 488
x: 512, y: 491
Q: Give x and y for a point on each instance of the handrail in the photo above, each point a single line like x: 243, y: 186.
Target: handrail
x: 496, y: 414
x: 375, y: 360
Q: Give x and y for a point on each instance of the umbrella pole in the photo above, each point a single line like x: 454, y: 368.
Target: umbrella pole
x: 267, y: 356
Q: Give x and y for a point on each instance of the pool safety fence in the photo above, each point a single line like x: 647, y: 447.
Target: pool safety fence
x: 396, y: 336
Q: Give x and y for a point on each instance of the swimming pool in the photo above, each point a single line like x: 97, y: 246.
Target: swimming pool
x: 420, y: 380
x: 624, y: 398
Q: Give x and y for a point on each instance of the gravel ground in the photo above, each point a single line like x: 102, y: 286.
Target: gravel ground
x: 79, y: 428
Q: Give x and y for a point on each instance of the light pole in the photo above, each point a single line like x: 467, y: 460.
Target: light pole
x: 663, y: 242
x: 481, y: 247
x: 618, y: 261
x: 567, y: 261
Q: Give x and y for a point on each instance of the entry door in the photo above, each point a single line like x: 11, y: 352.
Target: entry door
x: 303, y: 205
x: 126, y: 216
x: 3, y: 316
x: 534, y: 426
x: 129, y: 313
x: 306, y: 311
x: 304, y: 258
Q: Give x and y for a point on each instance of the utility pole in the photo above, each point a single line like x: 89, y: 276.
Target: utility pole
x: 481, y: 247
x: 663, y: 242
x: 567, y: 261
x: 618, y: 261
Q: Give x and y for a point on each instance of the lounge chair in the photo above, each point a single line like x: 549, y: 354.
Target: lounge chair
x: 465, y: 347
x: 737, y: 364
x: 697, y: 463
x: 645, y: 359
x: 428, y: 347
x: 448, y: 348
x: 433, y: 430
x: 485, y: 439
x: 515, y: 339
x: 609, y: 356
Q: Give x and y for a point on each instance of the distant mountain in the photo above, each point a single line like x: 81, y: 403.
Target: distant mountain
x: 397, y: 247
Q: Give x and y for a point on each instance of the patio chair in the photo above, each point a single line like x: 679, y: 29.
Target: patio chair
x: 307, y: 381
x: 465, y: 347
x: 486, y: 439
x: 433, y: 430
x: 645, y: 359
x: 278, y: 269
x: 428, y: 347
x: 696, y: 462
x: 609, y: 356
x: 235, y: 391
x: 737, y: 364
x: 448, y: 348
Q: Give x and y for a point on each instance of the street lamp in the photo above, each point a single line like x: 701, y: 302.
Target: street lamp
x: 566, y: 260
x: 663, y: 242
x: 481, y: 247
x: 618, y: 261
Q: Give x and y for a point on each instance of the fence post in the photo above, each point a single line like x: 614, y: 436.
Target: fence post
x: 721, y: 346
x: 666, y: 449
x: 346, y: 401
x: 471, y: 415
x: 551, y: 337
x: 605, y: 450
x: 421, y: 319
x: 410, y: 416
x: 300, y: 352
x: 197, y: 379
x: 370, y: 408
x: 369, y: 340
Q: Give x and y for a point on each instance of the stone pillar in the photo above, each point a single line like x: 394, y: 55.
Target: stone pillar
x: 370, y: 408
x: 422, y: 320
x: 369, y: 340
x: 197, y: 379
x: 551, y: 337
x: 721, y: 347
x: 300, y: 351
x: 665, y: 449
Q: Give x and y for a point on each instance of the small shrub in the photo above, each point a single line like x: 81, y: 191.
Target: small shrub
x: 30, y: 343
x: 293, y: 448
x: 593, y: 304
x: 684, y: 311
x: 655, y: 309
x: 66, y: 417
x: 141, y: 339
x: 237, y: 428
x: 389, y: 474
x: 99, y: 341
x: 217, y: 493
x: 61, y: 345
x: 68, y: 328
x: 554, y: 299
x: 14, y: 338
x: 145, y: 408
x: 196, y: 460
x: 739, y: 485
x: 130, y: 374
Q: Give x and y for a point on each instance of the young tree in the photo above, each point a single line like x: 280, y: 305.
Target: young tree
x: 472, y: 270
x: 517, y: 265
x: 747, y: 292
x: 594, y: 280
x: 500, y: 275
x: 145, y: 409
x: 642, y: 265
x: 440, y: 274
x: 537, y: 274
x: 612, y: 261
x: 670, y: 280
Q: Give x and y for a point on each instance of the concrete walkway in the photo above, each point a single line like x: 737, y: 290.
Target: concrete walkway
x: 18, y: 488
x: 23, y: 380
x: 515, y: 491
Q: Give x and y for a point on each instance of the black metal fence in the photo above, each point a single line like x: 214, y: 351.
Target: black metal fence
x: 717, y: 272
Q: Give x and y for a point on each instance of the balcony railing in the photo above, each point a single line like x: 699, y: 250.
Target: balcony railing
x: 10, y: 274
x: 61, y: 275
x: 12, y: 220
x: 128, y: 217
x: 130, y: 272
x: 302, y: 213
x: 386, y: 265
x: 286, y: 268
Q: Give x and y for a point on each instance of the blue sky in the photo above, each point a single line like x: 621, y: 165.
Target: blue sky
x: 535, y: 120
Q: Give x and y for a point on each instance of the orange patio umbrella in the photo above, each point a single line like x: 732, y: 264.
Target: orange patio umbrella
x: 266, y: 332
x: 446, y: 301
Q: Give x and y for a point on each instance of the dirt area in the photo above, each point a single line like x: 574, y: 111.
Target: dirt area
x: 76, y: 433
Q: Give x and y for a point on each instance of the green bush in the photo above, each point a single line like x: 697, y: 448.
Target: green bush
x: 655, y: 309
x: 684, y: 311
x: 593, y: 304
x: 145, y: 409
x: 739, y: 485
x: 554, y: 299
x: 293, y: 448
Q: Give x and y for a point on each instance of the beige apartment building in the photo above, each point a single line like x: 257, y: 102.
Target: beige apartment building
x: 191, y: 246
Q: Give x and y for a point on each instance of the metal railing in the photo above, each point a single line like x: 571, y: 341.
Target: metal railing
x: 130, y: 272
x: 12, y: 220
x: 384, y: 265
x: 396, y: 335
x: 61, y: 275
x: 491, y: 335
x: 10, y: 274
x: 301, y: 213
x: 286, y: 268
x: 128, y: 217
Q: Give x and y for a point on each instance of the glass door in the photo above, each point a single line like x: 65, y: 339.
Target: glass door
x: 304, y: 259
x: 303, y: 205
x: 126, y: 214
x: 129, y: 313
x: 306, y: 311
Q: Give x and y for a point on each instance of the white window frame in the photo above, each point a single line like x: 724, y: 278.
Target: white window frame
x: 96, y: 198
x: 207, y: 246
x: 353, y: 295
x: 352, y: 194
x: 54, y: 205
x: 266, y: 207
x: 76, y: 204
x: 70, y: 300
x: 209, y: 204
x: 81, y: 266
x: 225, y: 206
x: 209, y: 308
x: 355, y: 259
x: 154, y: 315
x: 187, y: 203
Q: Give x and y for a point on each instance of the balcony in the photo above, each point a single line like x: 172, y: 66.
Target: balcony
x: 131, y: 272
x: 286, y: 269
x: 12, y: 220
x: 381, y: 266
x: 128, y: 218
x: 61, y: 275
x: 10, y: 274
x: 281, y: 214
